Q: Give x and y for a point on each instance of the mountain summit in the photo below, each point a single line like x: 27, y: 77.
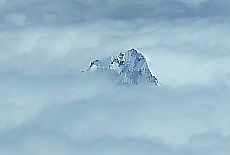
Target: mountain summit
x: 130, y: 67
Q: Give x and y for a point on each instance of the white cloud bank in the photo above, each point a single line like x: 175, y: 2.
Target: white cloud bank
x: 48, y: 107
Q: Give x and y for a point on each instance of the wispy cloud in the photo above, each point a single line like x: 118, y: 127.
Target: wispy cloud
x: 26, y: 12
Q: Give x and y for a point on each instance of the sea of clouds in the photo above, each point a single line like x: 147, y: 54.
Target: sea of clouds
x: 48, y: 107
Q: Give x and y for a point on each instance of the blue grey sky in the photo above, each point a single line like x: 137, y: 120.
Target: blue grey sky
x: 48, y: 107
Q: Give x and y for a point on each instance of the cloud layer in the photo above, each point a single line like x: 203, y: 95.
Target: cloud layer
x: 27, y: 12
x: 48, y: 107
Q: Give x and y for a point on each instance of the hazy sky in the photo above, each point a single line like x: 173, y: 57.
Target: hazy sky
x: 48, y: 107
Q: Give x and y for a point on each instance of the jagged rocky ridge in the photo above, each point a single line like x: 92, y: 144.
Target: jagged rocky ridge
x: 130, y: 67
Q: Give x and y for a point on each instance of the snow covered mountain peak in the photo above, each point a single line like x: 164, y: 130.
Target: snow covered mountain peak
x: 130, y: 67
